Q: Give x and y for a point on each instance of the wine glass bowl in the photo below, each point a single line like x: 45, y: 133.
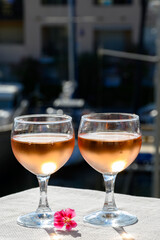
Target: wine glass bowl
x: 110, y: 142
x: 42, y: 144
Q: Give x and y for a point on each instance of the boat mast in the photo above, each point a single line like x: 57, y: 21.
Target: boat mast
x: 71, y: 41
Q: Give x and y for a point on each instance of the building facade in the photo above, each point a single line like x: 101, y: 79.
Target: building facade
x: 36, y: 28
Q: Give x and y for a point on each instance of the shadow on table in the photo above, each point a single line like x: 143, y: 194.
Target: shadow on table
x: 57, y: 235
x: 123, y: 234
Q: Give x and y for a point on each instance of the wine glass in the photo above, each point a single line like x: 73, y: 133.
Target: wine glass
x: 109, y: 142
x: 42, y: 144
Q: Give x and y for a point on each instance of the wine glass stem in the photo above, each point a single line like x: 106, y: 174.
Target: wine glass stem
x: 109, y: 204
x: 43, y: 202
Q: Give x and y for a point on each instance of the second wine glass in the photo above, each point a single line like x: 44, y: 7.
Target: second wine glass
x: 110, y: 142
x: 42, y: 144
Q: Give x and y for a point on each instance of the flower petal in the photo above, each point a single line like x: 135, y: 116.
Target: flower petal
x: 62, y: 213
x: 73, y: 224
x: 57, y: 214
x: 68, y: 227
x: 70, y: 213
x: 58, y: 225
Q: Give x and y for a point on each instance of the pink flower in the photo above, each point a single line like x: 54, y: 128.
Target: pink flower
x: 63, y: 218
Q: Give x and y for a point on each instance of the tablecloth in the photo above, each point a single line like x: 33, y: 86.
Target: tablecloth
x: 83, y: 201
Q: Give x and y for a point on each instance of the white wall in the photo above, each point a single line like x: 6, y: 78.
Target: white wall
x: 37, y: 15
x: 12, y: 53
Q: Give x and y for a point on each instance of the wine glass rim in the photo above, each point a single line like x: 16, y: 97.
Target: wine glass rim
x: 23, y: 118
x: 92, y: 117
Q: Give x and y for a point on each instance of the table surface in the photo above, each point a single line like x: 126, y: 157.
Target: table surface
x: 83, y: 201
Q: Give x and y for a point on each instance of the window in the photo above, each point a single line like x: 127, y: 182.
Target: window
x: 11, y: 21
x: 11, y: 9
x: 11, y: 32
x: 112, y: 2
x: 113, y: 39
x: 56, y: 2
x: 55, y: 45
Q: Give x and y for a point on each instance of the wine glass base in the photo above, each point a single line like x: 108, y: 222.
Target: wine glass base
x: 114, y: 219
x: 37, y: 220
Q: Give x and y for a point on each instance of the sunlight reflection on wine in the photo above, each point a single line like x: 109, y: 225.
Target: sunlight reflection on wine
x: 49, y: 168
x: 126, y: 236
x: 53, y: 235
x: 118, y: 166
x: 123, y: 234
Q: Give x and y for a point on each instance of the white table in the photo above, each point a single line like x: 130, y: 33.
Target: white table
x: 83, y: 201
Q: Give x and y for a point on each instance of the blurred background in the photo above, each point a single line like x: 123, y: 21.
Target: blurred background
x: 77, y: 57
